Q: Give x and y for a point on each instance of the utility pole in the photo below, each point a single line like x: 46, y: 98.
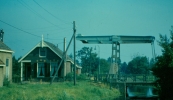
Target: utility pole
x: 99, y: 63
x: 98, y: 74
x: 74, y: 30
x: 62, y: 59
x: 65, y: 58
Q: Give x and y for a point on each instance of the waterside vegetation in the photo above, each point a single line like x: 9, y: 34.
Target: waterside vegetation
x: 84, y: 90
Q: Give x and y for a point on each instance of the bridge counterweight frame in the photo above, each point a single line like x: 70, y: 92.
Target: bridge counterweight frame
x: 116, y: 40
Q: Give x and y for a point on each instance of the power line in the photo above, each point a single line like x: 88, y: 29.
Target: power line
x: 19, y: 29
x: 49, y: 12
x: 25, y: 31
x: 36, y: 13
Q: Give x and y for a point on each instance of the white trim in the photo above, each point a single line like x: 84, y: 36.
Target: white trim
x: 45, y: 45
x: 37, y: 69
x: 54, y: 51
x: 2, y: 64
x: 26, y: 61
x: 7, y: 64
x: 29, y: 52
x: 73, y: 63
x: 6, y: 50
x: 51, y: 68
x: 38, y: 45
x: 45, y: 52
x: 21, y: 71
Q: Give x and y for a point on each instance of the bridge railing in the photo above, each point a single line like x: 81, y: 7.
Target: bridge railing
x: 125, y: 77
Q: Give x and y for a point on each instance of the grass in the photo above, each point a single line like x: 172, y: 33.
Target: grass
x: 83, y: 90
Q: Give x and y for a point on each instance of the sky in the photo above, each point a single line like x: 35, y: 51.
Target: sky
x: 25, y: 21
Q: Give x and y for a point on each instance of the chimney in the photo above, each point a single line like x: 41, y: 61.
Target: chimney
x: 1, y: 35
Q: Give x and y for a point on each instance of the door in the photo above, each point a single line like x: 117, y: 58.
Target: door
x: 27, y: 71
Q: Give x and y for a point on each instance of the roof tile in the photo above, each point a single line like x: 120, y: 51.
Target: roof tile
x: 57, y: 50
x: 4, y: 46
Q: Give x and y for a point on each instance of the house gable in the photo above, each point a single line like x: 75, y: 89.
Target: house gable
x: 53, y: 51
x: 35, y: 56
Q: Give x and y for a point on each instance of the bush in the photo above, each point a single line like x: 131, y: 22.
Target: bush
x: 81, y: 77
x: 16, y: 78
x: 6, y: 82
x: 69, y: 76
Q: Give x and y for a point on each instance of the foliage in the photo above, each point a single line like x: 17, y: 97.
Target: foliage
x: 163, y: 68
x: 58, y: 91
x: 123, y: 68
x: 90, y: 61
x: 16, y: 69
x: 69, y: 76
x: 152, y: 62
x: 6, y: 82
x: 138, y: 65
x: 104, y: 66
x: 81, y: 77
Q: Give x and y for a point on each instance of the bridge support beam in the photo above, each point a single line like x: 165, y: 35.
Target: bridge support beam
x: 115, y: 58
x: 116, y: 40
x: 153, y: 50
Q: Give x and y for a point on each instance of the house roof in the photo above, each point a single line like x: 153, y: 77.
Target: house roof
x: 4, y: 47
x: 1, y: 63
x: 57, y: 50
x: 51, y: 46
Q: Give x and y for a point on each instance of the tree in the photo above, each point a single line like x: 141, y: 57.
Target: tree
x: 16, y: 67
x: 138, y: 65
x: 163, y: 68
x: 151, y: 62
x: 15, y: 70
x: 104, y: 66
x: 90, y: 61
x: 123, y: 68
x: 72, y: 57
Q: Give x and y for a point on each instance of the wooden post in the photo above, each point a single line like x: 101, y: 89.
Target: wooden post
x: 125, y: 88
x: 65, y: 58
x: 74, y: 30
x: 62, y: 59
x: 21, y: 72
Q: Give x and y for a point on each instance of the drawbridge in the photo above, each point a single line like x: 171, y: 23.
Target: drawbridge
x: 115, y: 41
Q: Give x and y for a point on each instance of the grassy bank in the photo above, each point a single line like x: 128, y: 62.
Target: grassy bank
x: 58, y: 91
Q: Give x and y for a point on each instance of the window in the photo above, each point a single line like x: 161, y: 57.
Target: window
x: 40, y: 69
x: 7, y: 68
x: 7, y: 62
x: 53, y: 68
x: 42, y: 52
